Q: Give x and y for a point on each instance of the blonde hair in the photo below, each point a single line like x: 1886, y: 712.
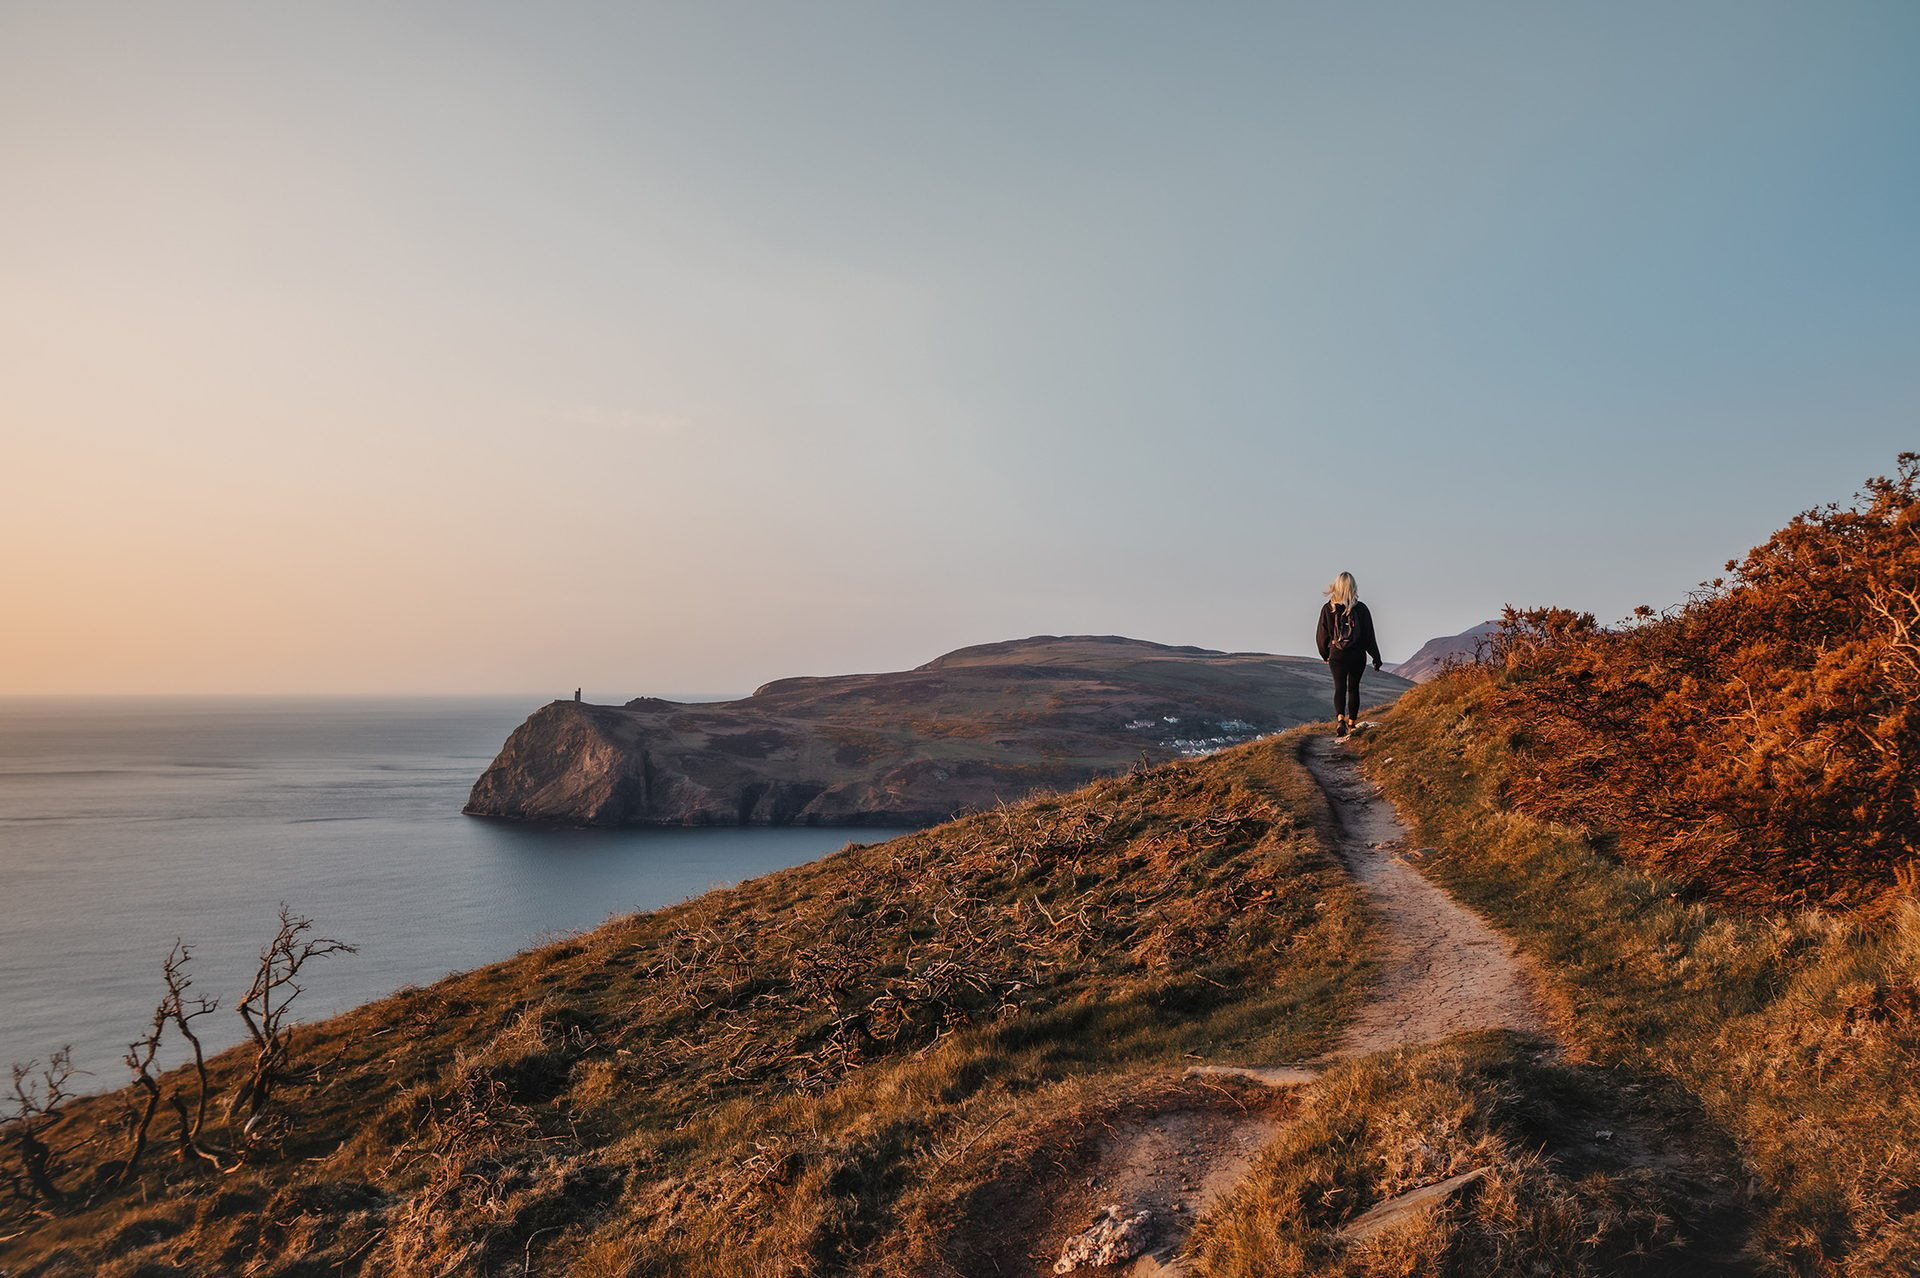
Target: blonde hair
x: 1344, y: 591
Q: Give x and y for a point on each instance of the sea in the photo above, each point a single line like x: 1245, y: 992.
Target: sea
x: 129, y: 823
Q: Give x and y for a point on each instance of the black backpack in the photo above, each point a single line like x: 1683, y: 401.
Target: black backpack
x: 1343, y: 636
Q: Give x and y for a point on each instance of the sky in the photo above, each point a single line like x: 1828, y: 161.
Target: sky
x: 463, y: 347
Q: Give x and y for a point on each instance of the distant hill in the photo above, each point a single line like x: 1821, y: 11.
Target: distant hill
x: 964, y: 731
x: 1435, y: 654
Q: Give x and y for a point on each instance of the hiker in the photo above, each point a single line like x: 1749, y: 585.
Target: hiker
x: 1346, y: 639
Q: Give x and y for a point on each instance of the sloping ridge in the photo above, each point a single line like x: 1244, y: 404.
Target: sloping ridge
x: 826, y: 1069
x: 778, y: 1068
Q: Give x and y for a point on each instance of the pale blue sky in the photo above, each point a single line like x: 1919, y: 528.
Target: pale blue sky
x: 449, y: 347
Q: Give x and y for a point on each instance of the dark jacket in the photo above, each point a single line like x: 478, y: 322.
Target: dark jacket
x: 1365, y: 643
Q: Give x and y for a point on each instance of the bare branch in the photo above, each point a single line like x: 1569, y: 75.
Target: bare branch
x: 38, y: 1100
x: 181, y: 1009
x: 266, y: 1003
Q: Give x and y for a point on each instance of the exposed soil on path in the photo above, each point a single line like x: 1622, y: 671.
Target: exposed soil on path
x: 1442, y: 970
x: 1165, y: 1144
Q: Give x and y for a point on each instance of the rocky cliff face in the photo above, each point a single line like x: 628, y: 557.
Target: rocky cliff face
x: 567, y: 762
x: 964, y: 731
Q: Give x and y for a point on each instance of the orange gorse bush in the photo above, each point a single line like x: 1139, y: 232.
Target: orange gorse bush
x: 1762, y: 740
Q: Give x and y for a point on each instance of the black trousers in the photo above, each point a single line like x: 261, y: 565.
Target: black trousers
x: 1346, y: 687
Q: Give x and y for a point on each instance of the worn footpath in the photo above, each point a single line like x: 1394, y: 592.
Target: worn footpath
x: 1443, y: 970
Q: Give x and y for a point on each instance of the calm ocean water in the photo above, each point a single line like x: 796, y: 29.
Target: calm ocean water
x: 127, y: 822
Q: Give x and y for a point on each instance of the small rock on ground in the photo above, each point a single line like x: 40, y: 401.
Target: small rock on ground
x: 1113, y: 1238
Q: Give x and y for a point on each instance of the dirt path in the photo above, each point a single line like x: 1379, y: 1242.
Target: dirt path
x: 1443, y: 970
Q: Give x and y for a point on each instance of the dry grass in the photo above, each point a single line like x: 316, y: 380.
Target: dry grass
x: 789, y: 1077
x: 1793, y: 1035
x: 1566, y: 1186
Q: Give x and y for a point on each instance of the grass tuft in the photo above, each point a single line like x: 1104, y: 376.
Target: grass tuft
x: 1560, y: 1182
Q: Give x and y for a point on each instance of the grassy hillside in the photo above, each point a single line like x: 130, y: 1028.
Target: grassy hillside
x: 901, y: 1060
x: 1700, y: 827
x: 800, y: 1075
x: 1704, y: 825
x: 1789, y: 1034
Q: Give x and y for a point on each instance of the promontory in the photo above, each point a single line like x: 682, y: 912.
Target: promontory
x: 972, y: 728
